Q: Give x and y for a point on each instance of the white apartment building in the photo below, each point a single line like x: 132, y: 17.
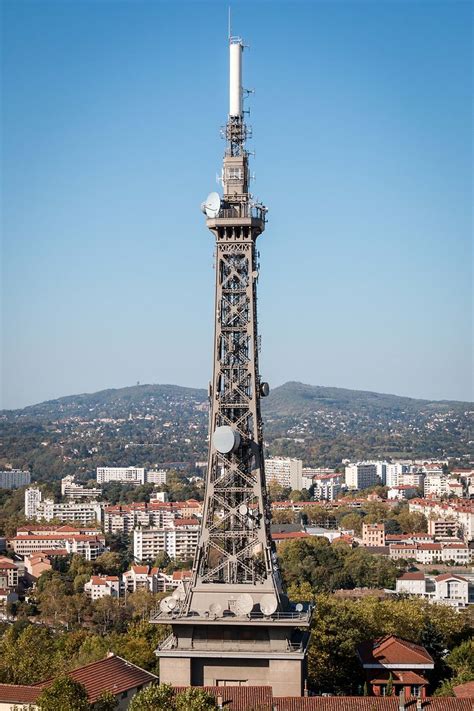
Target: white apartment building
x: 88, y: 546
x: 179, y: 542
x: 77, y: 513
x: 123, y: 519
x: 428, y: 553
x: 156, y: 477
x: 125, y: 475
x: 32, y: 501
x: 312, y: 473
x: 327, y: 487
x: 435, y: 484
x: 461, y: 511
x: 403, y: 491
x: 71, y: 490
x: 448, y: 589
x: 286, y: 471
x: 362, y: 475
x: 102, y: 586
x: 14, y: 478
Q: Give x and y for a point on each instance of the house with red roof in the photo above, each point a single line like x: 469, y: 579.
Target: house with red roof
x: 394, y: 662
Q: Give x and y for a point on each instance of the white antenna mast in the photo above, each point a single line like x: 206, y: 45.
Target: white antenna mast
x: 229, y: 26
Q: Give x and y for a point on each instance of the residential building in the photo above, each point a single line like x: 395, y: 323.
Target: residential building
x: 156, y: 477
x: 179, y: 542
x: 393, y: 659
x: 71, y: 490
x: 78, y: 512
x: 8, y: 574
x: 125, y: 475
x: 89, y: 546
x: 443, y: 527
x: 373, y: 534
x: 435, y: 484
x: 285, y: 471
x: 311, y: 473
x: 427, y: 553
x: 113, y: 674
x: 35, y: 565
x: 14, y: 478
x: 32, y: 501
x: 155, y: 514
x: 327, y: 487
x: 102, y: 586
x: 400, y: 492
x: 362, y: 475
x: 448, y: 589
x: 459, y: 510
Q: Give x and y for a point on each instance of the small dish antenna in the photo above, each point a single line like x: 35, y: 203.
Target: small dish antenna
x: 179, y: 593
x: 225, y: 439
x: 211, y: 205
x: 268, y: 604
x: 215, y: 609
x: 168, y: 604
x: 244, y: 604
x: 243, y: 510
x: 299, y: 607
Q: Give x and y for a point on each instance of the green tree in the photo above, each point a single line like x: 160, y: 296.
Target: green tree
x: 106, y: 702
x: 194, y: 699
x: 64, y: 694
x: 153, y: 698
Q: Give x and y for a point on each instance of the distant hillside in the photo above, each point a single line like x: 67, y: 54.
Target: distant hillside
x: 151, y: 424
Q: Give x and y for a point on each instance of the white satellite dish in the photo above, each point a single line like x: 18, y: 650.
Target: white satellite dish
x: 168, y: 604
x: 268, y: 604
x: 243, y: 510
x: 225, y: 439
x: 179, y: 593
x: 244, y: 604
x: 215, y: 609
x: 211, y: 205
x: 299, y: 607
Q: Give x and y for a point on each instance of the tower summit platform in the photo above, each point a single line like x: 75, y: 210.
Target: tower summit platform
x: 233, y: 623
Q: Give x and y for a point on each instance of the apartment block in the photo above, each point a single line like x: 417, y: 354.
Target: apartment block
x: 287, y: 472
x: 362, y: 475
x: 179, y: 542
x: 428, y: 553
x: 373, y: 534
x: 14, y: 478
x: 448, y: 589
x: 71, y: 490
x: 77, y: 512
x: 102, y: 586
x: 32, y: 501
x: 125, y: 475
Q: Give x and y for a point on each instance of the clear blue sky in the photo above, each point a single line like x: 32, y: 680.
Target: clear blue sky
x: 362, y: 131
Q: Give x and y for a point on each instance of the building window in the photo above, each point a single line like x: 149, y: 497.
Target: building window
x: 416, y: 690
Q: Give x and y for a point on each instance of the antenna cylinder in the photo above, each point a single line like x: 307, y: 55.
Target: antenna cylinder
x: 235, y: 78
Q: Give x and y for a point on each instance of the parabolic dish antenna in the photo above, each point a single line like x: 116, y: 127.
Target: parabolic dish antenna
x: 211, y: 205
x: 244, y: 604
x: 225, y: 439
x: 215, y: 609
x: 268, y: 604
x: 243, y: 509
x: 168, y: 604
x: 299, y: 607
x: 179, y: 593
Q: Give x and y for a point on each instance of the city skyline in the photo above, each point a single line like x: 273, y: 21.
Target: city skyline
x: 362, y: 133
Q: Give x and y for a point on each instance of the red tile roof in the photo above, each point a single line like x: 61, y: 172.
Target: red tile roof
x: 18, y: 693
x: 449, y: 576
x: 366, y: 703
x: 399, y: 677
x: 181, y: 574
x: 242, y: 698
x: 412, y: 576
x: 464, y: 691
x: 186, y: 522
x: 112, y: 674
x: 393, y: 650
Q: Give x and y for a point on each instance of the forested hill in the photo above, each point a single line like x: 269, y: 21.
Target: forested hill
x: 150, y: 424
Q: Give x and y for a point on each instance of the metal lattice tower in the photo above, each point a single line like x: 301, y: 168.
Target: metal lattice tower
x: 236, y: 584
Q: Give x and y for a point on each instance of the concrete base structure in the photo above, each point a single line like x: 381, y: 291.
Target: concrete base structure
x: 284, y: 676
